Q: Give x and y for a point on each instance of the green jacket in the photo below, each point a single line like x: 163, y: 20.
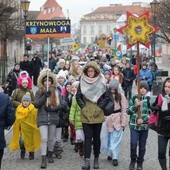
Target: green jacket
x: 17, y: 95
x: 75, y: 114
x: 145, y: 112
x: 91, y: 113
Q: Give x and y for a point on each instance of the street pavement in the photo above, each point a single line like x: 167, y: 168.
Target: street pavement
x: 71, y: 160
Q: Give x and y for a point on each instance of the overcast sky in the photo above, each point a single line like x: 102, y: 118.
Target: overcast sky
x: 78, y: 8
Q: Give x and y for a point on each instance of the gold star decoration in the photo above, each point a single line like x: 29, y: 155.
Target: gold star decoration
x: 138, y: 29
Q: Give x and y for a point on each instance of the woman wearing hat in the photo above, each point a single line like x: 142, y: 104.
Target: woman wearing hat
x: 89, y: 96
x: 49, y: 103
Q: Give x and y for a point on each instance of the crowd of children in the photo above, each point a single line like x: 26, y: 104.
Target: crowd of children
x: 89, y: 104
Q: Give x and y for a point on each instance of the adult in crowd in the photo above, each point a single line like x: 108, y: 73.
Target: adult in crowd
x: 7, y: 118
x: 12, y: 78
x: 26, y: 65
x: 50, y: 105
x: 89, y: 96
x: 37, y: 65
x: 129, y: 76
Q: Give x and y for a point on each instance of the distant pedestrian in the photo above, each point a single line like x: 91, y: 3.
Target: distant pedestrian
x: 7, y: 118
x: 12, y: 78
x: 37, y: 65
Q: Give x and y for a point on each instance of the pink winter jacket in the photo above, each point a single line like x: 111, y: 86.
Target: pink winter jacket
x: 118, y: 120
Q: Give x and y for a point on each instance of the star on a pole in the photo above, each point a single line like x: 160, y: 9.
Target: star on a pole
x: 138, y: 29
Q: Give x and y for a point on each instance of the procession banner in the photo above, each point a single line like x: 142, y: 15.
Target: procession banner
x: 48, y: 28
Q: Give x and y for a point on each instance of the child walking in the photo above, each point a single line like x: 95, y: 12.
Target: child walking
x: 139, y: 126
x: 25, y: 128
x: 74, y: 118
x: 116, y: 121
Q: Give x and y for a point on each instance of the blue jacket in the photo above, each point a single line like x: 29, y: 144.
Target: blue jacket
x: 146, y: 75
x: 7, y: 117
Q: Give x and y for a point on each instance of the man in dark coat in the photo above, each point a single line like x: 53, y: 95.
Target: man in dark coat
x: 26, y: 65
x: 7, y: 118
x: 37, y: 65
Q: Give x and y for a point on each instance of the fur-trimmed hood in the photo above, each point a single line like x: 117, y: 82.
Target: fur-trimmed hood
x: 43, y: 74
x: 92, y: 64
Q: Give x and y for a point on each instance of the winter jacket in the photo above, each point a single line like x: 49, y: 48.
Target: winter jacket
x: 145, y: 74
x: 7, y: 117
x: 17, y: 95
x: 91, y: 113
x: 118, y: 119
x: 129, y: 76
x: 75, y: 114
x: 27, y: 66
x: 163, y: 126
x: 145, y: 112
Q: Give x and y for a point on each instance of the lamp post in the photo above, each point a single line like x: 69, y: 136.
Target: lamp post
x: 25, y: 6
x: 154, y: 8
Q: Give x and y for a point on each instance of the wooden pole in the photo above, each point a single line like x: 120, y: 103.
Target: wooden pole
x: 138, y: 79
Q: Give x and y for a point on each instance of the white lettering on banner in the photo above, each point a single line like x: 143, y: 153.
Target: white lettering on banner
x: 67, y: 41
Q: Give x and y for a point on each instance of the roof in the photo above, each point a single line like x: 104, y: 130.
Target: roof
x: 32, y: 15
x: 50, y: 10
x: 120, y: 9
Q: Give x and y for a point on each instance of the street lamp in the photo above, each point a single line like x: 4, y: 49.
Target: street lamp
x: 154, y: 9
x: 25, y: 6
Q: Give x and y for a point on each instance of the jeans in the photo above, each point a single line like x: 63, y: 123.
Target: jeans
x: 162, y: 145
x: 47, y: 138
x: 1, y: 155
x: 138, y: 138
x: 92, y: 131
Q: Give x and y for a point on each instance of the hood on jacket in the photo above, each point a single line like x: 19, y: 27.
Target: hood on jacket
x: 92, y: 64
x: 44, y: 74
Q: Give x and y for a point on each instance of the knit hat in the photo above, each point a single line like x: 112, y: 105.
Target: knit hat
x: 144, y: 84
x: 106, y: 72
x: 61, y: 60
x: 114, y: 84
x: 61, y: 74
x: 144, y: 64
x: 26, y: 97
x: 75, y: 84
x: 24, y: 80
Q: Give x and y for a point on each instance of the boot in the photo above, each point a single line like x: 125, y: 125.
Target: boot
x: 115, y: 162
x: 163, y: 164
x: 50, y: 157
x: 139, y: 166
x: 81, y: 149
x: 44, y: 162
x: 96, y: 163
x: 76, y: 147
x: 86, y: 165
x: 31, y: 155
x: 132, y: 165
x: 22, y: 155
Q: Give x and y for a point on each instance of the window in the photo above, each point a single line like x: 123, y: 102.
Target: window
x: 92, y: 29
x: 84, y: 40
x: 84, y: 29
x: 100, y: 28
x: 92, y: 40
x: 108, y: 28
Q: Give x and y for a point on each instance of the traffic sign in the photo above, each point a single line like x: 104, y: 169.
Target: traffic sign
x: 67, y: 41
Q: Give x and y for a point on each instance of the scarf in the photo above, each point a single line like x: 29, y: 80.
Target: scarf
x: 165, y: 101
x: 93, y: 88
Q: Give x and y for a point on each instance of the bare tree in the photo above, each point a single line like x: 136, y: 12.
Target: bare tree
x: 163, y: 20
